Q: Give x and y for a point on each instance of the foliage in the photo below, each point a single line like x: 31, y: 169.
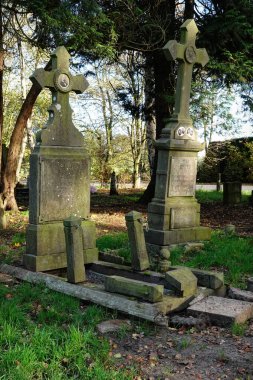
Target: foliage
x: 211, y: 110
x: 232, y: 158
x: 38, y: 339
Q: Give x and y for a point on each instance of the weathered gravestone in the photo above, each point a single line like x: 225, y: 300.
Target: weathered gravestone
x: 232, y: 193
x: 59, y: 174
x: 174, y: 214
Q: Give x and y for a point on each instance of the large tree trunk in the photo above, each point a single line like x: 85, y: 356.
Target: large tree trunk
x: 9, y: 175
x: 1, y: 93
x: 164, y: 100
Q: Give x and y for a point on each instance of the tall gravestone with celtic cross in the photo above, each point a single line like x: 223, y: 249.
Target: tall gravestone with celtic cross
x: 59, y: 174
x: 174, y: 214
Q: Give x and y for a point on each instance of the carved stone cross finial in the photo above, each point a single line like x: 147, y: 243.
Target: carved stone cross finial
x: 187, y: 54
x: 60, y: 129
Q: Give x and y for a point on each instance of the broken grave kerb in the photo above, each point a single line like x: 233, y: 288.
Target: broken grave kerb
x: 59, y: 174
x: 173, y: 213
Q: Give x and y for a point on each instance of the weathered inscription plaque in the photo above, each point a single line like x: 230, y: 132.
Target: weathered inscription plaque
x: 183, y: 171
x: 67, y: 196
x: 183, y: 217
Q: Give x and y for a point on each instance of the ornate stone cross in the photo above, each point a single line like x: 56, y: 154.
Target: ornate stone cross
x: 187, y: 54
x: 60, y: 130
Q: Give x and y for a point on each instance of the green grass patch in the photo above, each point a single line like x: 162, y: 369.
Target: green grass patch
x: 123, y: 199
x: 46, y: 335
x: 231, y: 254
x: 239, y: 329
x: 115, y: 242
x: 207, y: 196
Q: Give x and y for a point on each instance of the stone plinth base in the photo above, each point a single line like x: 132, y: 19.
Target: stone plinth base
x: 46, y: 249
x: 177, y: 236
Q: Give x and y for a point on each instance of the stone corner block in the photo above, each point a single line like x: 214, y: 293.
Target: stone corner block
x: 183, y: 280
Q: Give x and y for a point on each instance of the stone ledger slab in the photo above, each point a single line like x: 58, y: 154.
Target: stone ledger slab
x: 222, y: 311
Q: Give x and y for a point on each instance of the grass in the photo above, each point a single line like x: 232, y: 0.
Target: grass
x: 115, y: 242
x: 123, y: 199
x: 231, y: 254
x: 207, y: 196
x: 46, y: 335
x: 239, y: 329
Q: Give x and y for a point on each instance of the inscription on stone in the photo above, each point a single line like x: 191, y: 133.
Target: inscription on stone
x: 59, y: 199
x: 183, y: 171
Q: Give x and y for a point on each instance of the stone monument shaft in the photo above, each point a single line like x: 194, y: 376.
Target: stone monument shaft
x: 59, y: 174
x: 187, y: 54
x: 173, y: 213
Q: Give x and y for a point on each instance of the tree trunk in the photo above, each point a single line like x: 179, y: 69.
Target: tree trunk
x: 164, y: 91
x: 9, y: 175
x: 1, y: 93
x: 113, y: 186
x: 150, y: 122
x: 189, y: 9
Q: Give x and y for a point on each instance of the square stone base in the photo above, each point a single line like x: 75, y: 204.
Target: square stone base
x: 177, y: 236
x: 46, y: 250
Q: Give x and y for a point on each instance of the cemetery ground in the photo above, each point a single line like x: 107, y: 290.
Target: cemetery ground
x: 46, y: 335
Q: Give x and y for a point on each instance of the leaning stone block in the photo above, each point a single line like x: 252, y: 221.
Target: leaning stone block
x: 238, y: 294
x: 183, y: 280
x: 139, y: 289
x: 208, y: 279
x: 74, y: 249
x: 222, y: 311
x: 137, y: 242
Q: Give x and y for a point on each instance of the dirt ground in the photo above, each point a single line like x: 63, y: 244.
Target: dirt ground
x: 206, y: 353
x: 180, y: 354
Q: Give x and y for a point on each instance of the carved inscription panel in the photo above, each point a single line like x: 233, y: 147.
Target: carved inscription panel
x: 182, y: 177
x: 64, y: 189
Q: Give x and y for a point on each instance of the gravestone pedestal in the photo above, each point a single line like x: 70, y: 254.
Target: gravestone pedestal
x: 174, y: 214
x: 59, y: 183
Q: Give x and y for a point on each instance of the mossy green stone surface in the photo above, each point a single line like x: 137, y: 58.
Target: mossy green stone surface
x: 183, y: 280
x: 134, y: 288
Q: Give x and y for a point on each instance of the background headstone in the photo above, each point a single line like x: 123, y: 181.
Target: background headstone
x: 232, y: 193
x: 59, y: 179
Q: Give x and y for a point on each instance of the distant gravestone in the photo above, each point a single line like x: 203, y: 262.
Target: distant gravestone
x: 113, y: 185
x: 232, y: 193
x: 59, y: 182
x: 174, y: 214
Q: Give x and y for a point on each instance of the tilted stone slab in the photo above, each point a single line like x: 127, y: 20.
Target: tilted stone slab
x: 238, y: 294
x: 183, y: 280
x: 222, y: 311
x: 139, y: 289
x: 208, y: 279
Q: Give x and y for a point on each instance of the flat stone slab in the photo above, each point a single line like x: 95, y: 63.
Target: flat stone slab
x: 6, y: 279
x: 113, y: 325
x: 222, y: 311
